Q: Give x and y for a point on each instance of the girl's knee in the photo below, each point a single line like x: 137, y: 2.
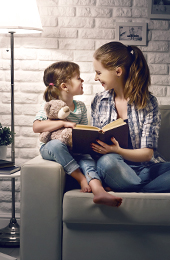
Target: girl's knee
x: 109, y: 160
x: 107, y: 164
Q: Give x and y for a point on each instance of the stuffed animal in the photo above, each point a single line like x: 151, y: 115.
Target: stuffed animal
x: 57, y: 109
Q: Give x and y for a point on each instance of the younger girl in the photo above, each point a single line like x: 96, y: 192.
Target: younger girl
x: 62, y: 80
x: 124, y: 74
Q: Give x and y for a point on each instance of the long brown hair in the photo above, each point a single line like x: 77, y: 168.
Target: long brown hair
x: 137, y: 75
x: 56, y: 74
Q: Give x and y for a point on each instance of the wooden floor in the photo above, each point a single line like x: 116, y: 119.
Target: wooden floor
x: 11, y: 252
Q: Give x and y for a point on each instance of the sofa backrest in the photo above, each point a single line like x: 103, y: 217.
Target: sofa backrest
x: 164, y: 134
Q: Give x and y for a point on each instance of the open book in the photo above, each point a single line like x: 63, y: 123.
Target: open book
x: 84, y: 135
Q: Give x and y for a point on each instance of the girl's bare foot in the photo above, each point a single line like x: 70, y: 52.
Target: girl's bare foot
x: 84, y: 185
x: 78, y: 175
x: 103, y: 197
x: 107, y: 199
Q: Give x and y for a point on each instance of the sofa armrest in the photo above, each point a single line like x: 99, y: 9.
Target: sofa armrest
x: 42, y: 186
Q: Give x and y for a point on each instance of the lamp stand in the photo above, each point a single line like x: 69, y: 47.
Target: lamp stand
x: 10, y: 235
x: 12, y: 98
x: 12, y: 162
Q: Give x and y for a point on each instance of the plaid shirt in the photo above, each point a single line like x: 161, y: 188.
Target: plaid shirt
x: 143, y: 124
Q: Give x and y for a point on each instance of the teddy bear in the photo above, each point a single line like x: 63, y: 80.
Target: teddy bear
x: 57, y: 109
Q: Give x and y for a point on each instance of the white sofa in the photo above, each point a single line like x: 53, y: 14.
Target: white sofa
x: 69, y: 226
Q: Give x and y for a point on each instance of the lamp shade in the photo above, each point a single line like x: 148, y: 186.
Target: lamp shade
x: 19, y: 16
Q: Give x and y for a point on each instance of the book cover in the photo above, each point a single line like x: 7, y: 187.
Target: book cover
x: 83, y: 136
x: 5, y: 163
x: 9, y: 170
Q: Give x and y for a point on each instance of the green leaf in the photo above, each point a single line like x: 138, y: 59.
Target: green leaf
x: 6, y: 135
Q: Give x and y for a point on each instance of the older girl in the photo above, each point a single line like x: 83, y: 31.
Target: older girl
x: 124, y: 74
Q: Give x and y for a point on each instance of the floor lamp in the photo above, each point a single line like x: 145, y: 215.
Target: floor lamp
x: 16, y: 17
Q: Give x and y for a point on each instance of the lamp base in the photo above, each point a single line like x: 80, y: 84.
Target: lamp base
x: 10, y: 235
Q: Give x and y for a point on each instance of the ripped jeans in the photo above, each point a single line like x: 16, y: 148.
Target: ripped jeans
x: 57, y: 151
x: 123, y: 176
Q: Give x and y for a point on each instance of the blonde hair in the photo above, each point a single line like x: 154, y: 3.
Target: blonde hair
x: 55, y: 75
x: 137, y: 75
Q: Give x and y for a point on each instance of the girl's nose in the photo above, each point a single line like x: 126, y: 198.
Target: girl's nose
x: 82, y: 80
x: 96, y: 77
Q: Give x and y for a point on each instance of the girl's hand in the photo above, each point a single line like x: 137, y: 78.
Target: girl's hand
x: 67, y: 124
x: 104, y: 148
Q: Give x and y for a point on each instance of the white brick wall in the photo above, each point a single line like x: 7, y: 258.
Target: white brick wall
x: 72, y: 30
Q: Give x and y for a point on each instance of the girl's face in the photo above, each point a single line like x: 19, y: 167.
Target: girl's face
x: 108, y: 78
x: 75, y: 85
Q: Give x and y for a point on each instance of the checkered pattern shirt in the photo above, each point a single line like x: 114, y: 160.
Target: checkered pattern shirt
x: 143, y: 124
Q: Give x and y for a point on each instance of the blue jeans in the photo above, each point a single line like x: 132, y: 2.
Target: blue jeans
x: 57, y: 151
x: 122, y: 176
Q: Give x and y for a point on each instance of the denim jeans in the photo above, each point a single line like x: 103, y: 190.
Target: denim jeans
x: 57, y: 151
x: 125, y: 177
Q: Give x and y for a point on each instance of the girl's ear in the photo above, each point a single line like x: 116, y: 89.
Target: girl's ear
x: 119, y: 71
x: 63, y: 86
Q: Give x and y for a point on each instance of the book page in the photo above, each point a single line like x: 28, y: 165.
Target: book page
x: 86, y: 127
x: 113, y: 124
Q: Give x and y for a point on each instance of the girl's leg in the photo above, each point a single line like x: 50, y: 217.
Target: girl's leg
x: 78, y: 176
x: 158, y: 176
x: 88, y: 167
x: 117, y: 174
x: 57, y: 151
x: 103, y: 197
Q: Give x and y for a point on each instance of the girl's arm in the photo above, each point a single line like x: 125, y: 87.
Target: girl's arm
x: 137, y: 155
x: 134, y: 155
x: 40, y: 126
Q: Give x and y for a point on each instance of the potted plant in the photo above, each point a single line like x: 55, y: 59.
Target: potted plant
x: 6, y: 138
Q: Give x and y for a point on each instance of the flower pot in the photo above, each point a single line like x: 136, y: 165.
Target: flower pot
x: 3, y: 152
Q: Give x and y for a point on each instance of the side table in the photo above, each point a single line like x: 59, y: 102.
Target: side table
x: 10, y: 235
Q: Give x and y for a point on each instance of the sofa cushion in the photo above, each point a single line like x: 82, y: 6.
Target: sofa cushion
x: 136, y: 209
